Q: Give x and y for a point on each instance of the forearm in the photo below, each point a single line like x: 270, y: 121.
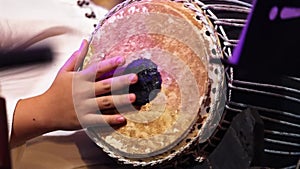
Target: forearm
x: 29, y: 120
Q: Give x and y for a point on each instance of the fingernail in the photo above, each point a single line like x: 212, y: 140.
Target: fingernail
x: 132, y: 97
x: 120, y: 60
x: 132, y: 78
x: 120, y: 119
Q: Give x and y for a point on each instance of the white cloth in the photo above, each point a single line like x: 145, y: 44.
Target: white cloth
x: 62, y: 24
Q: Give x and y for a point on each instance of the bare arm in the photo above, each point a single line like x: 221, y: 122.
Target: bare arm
x: 54, y: 110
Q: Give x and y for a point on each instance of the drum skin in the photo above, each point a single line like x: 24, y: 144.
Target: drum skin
x: 179, y: 38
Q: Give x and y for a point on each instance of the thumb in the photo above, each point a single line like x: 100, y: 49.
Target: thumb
x: 77, y: 57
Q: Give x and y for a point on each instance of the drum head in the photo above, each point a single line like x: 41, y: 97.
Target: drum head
x: 179, y: 38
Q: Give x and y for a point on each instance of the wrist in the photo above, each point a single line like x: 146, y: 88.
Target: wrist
x: 48, y: 120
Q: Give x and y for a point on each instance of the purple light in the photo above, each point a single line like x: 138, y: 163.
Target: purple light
x: 273, y: 13
x: 238, y: 49
x: 289, y: 13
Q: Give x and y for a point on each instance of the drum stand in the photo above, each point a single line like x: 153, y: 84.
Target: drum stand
x: 275, y: 98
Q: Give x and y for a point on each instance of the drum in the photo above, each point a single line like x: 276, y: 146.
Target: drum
x: 180, y: 39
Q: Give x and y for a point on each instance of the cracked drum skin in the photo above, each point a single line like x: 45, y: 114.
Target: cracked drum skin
x: 180, y: 40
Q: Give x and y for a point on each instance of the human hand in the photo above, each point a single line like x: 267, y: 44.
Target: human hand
x: 76, y: 92
x: 74, y: 95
